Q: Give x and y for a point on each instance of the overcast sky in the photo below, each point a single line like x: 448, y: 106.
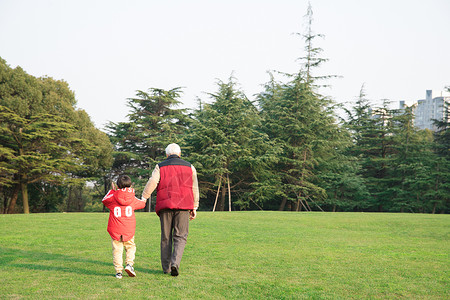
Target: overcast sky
x: 106, y: 50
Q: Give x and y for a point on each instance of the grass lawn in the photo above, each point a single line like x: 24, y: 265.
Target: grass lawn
x: 237, y: 255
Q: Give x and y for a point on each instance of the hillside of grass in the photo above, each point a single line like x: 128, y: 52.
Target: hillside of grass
x: 237, y: 255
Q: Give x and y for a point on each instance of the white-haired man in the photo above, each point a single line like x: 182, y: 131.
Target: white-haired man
x: 177, y: 199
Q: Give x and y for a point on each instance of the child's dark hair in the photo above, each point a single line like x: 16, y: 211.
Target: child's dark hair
x: 123, y: 181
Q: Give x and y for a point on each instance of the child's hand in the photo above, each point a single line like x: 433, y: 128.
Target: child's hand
x: 113, y: 186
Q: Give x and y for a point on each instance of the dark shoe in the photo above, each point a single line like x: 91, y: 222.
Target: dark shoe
x: 174, y: 271
x: 119, y: 275
x: 130, y: 270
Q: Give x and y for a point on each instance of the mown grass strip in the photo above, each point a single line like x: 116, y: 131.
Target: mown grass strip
x: 246, y: 255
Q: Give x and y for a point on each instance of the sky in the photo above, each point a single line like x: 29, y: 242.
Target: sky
x: 106, y: 50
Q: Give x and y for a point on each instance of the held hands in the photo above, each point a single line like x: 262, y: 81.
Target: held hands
x: 192, y: 214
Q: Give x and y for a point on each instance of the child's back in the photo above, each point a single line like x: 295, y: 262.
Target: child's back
x: 122, y: 203
x: 122, y: 221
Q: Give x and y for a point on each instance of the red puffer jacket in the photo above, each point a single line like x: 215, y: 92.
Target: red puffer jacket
x: 174, y: 189
x: 121, y: 204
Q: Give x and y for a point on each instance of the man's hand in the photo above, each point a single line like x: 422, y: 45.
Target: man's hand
x: 192, y: 214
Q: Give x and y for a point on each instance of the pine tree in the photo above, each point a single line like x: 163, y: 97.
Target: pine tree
x: 440, y: 196
x: 373, y: 131
x: 303, y: 127
x: 229, y: 152
x: 154, y: 122
x: 340, y: 177
x: 411, y: 163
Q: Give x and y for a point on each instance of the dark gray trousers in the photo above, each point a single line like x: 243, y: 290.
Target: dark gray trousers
x: 174, y: 233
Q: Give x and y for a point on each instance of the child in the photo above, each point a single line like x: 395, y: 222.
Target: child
x: 122, y: 203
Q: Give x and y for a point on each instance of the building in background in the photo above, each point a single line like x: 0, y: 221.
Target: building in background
x: 431, y: 108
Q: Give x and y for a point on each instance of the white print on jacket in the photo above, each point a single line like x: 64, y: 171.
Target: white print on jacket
x: 118, y: 211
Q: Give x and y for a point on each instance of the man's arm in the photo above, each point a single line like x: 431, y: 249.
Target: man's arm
x: 196, y: 193
x: 152, y: 183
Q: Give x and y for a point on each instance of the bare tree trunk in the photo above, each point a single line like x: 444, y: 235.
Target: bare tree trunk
x: 306, y: 208
x: 12, y: 203
x: 307, y: 204
x: 217, y: 194
x: 221, y: 206
x: 229, y: 194
x: 299, y: 199
x: 314, y: 203
x: 256, y: 204
x: 297, y: 205
x: 80, y: 201
x: 5, y: 204
x: 282, y: 205
x: 24, y: 187
x: 69, y: 197
x: 335, y: 198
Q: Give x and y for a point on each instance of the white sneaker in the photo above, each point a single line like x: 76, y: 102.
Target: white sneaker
x: 119, y: 275
x: 130, y: 270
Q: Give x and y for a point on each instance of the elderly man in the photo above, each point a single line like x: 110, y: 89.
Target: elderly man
x: 177, y: 199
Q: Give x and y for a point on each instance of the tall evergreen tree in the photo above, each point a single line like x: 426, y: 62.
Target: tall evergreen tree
x: 409, y: 172
x: 312, y: 59
x: 340, y: 176
x: 302, y: 124
x: 154, y: 122
x: 373, y: 132
x: 229, y: 151
x: 440, y: 197
x: 304, y: 129
x: 396, y: 160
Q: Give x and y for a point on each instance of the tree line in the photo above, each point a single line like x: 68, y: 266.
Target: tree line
x: 288, y: 150
x: 48, y: 148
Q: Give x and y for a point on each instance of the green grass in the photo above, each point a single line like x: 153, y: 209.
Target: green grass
x: 237, y: 255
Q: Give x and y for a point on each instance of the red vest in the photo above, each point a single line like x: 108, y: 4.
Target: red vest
x: 122, y: 221
x: 174, y: 189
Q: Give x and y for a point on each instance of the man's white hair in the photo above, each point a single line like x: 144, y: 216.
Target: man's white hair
x: 173, y: 149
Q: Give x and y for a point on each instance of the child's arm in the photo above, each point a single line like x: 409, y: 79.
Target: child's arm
x: 108, y: 199
x: 139, y: 204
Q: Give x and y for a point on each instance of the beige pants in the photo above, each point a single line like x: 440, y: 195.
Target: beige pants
x: 117, y: 249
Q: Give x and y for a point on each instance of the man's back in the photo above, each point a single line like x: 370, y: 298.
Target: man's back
x: 175, y: 187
